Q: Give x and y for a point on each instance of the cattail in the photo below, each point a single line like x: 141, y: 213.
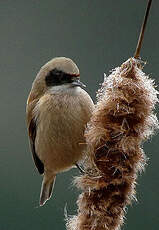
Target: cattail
x: 122, y: 120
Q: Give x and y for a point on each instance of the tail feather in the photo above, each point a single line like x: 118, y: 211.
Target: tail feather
x: 46, y: 189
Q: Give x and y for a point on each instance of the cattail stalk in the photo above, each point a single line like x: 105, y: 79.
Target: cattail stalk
x: 143, y: 27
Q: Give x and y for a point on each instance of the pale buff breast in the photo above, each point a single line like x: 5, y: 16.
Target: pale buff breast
x: 61, y: 121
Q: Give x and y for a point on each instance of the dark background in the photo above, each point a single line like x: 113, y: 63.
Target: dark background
x: 98, y: 36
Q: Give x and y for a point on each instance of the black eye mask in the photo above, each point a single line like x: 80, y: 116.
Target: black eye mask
x: 57, y: 77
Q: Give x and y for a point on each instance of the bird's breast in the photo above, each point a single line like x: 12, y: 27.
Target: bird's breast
x: 60, y: 116
x: 61, y: 121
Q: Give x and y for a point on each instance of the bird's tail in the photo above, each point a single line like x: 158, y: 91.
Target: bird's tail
x: 46, y: 188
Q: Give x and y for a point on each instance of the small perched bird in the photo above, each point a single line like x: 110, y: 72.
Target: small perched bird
x: 58, y: 110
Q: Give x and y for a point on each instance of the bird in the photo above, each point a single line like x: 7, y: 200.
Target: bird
x: 58, y: 110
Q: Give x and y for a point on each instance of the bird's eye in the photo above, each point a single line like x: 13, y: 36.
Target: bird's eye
x: 66, y: 78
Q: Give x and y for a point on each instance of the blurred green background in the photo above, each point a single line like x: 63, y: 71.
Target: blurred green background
x: 98, y: 36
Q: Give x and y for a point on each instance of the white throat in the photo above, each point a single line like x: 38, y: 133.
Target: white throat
x: 65, y: 88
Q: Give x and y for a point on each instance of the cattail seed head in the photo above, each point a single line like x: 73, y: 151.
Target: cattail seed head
x: 122, y: 120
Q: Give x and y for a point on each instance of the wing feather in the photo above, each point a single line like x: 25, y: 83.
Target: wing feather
x: 32, y: 126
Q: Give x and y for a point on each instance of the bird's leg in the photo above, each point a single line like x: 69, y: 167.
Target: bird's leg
x: 80, y: 169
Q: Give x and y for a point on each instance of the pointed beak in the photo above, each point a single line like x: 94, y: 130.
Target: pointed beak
x: 78, y: 83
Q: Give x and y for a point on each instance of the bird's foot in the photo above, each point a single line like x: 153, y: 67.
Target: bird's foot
x: 80, y: 169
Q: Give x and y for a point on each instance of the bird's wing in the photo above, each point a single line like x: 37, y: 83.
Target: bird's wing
x: 32, y: 126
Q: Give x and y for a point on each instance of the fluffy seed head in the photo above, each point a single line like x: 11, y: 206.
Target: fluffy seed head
x: 122, y: 120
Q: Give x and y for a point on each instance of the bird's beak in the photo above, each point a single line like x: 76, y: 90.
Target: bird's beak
x: 78, y: 83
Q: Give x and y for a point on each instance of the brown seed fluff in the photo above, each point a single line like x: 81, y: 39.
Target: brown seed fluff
x: 122, y: 120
